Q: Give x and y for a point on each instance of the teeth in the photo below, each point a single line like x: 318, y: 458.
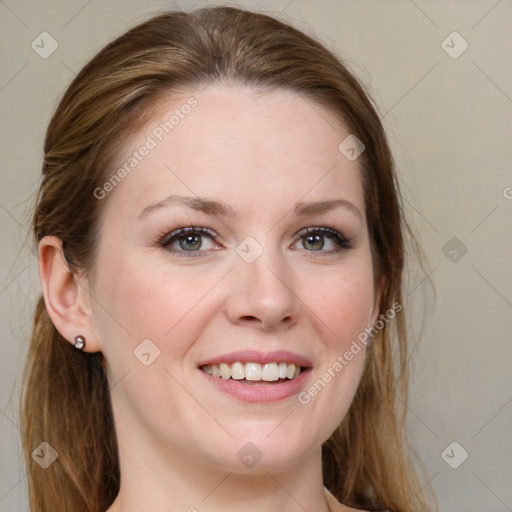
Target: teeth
x: 268, y: 372
x: 225, y: 371
x: 252, y: 371
x: 282, y: 370
x: 237, y: 371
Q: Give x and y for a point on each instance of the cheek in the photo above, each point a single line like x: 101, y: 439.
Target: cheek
x: 146, y: 301
x: 342, y: 306
x: 343, y: 302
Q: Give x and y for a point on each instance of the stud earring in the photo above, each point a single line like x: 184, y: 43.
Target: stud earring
x: 79, y: 342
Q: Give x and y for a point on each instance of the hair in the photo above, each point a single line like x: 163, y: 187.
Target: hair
x: 66, y: 397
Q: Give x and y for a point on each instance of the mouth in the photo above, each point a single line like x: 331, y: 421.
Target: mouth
x: 253, y: 376
x: 254, y: 373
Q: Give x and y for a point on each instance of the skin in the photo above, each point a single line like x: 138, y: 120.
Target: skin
x: 178, y: 435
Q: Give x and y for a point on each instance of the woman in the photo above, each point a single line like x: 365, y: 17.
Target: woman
x: 220, y: 246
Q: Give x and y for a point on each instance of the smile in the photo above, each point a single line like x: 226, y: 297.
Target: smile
x: 257, y: 377
x: 254, y: 372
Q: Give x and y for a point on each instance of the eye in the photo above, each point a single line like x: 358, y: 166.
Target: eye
x: 314, y: 240
x: 187, y: 241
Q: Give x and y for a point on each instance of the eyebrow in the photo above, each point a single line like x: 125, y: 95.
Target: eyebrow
x: 218, y: 208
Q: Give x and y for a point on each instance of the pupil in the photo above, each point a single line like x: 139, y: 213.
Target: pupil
x: 191, y: 242
x: 316, y: 239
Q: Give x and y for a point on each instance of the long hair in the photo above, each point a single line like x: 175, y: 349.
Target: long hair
x: 66, y: 398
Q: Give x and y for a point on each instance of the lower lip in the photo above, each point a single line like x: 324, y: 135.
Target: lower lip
x: 259, y: 393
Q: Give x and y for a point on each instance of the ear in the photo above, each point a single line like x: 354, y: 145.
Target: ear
x: 66, y: 295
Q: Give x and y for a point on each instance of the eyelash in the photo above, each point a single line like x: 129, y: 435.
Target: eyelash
x: 166, y: 239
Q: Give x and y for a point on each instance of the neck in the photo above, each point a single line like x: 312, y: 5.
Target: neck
x: 163, y: 482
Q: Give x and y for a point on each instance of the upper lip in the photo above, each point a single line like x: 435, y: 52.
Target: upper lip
x: 256, y: 356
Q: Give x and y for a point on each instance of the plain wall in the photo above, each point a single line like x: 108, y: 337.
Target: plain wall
x: 449, y: 122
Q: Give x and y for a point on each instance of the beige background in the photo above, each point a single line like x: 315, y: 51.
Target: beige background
x: 449, y: 121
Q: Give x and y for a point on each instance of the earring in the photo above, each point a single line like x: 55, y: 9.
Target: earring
x: 369, y: 341
x: 79, y: 342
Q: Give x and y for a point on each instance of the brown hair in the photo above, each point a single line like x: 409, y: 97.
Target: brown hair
x: 66, y: 396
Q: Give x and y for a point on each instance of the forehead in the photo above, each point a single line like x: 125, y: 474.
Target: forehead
x: 239, y: 145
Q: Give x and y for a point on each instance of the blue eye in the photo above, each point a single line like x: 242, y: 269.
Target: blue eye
x: 189, y: 241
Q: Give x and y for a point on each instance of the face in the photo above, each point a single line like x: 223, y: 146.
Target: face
x: 234, y: 248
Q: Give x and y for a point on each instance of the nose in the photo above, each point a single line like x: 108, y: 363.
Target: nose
x: 262, y: 294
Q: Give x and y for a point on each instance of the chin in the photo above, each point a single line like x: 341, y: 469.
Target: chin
x: 261, y: 448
